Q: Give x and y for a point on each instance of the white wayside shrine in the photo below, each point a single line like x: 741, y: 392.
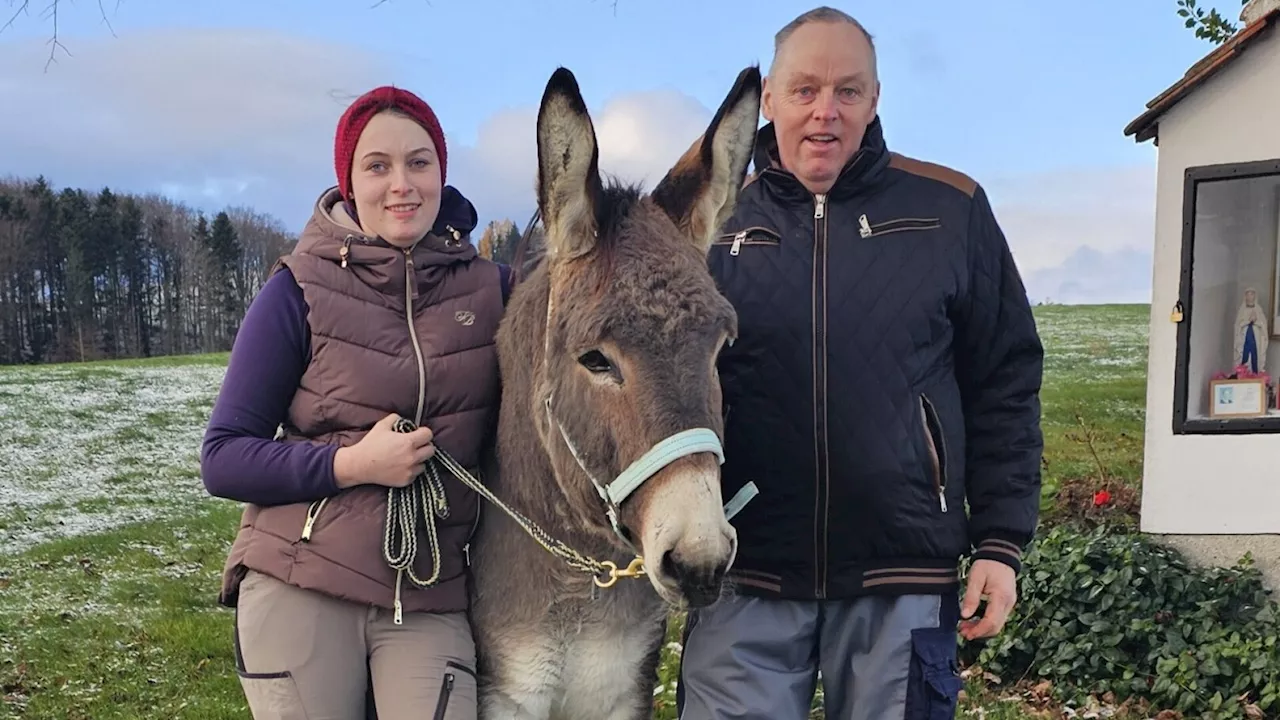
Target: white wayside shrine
x: 1212, y: 450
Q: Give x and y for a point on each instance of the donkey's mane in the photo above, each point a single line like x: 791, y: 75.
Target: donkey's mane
x: 613, y: 205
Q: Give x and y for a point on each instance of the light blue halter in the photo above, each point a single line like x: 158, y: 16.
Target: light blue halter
x: 667, y: 451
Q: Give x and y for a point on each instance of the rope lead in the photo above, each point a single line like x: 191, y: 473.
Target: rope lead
x: 417, y: 505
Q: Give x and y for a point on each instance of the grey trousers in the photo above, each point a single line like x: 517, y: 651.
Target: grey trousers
x: 301, y: 655
x: 748, y: 658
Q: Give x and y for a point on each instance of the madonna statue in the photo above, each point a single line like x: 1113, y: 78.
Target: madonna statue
x: 1251, y: 334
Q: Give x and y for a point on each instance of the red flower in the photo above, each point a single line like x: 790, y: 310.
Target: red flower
x: 1100, y: 498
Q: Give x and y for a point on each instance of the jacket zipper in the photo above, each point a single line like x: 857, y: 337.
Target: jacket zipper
x: 822, y: 490
x: 740, y: 239
x: 866, y: 229
x: 743, y: 237
x: 411, y: 292
x: 937, y: 450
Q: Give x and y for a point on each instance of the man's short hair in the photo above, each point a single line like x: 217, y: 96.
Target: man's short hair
x: 822, y: 14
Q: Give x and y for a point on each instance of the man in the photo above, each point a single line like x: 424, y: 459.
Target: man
x: 886, y: 375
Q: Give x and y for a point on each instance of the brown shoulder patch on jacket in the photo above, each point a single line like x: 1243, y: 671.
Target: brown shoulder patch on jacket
x: 933, y: 171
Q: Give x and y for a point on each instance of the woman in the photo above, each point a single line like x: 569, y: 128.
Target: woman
x: 383, y: 311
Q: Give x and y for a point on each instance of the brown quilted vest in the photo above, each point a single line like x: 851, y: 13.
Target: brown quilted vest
x: 365, y: 363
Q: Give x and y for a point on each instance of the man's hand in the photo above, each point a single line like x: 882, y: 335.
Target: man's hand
x: 998, y: 583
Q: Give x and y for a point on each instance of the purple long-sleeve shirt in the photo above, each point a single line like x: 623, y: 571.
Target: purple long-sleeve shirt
x: 240, y: 459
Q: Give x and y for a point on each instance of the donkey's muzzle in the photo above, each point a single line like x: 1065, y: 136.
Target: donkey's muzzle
x: 701, y: 584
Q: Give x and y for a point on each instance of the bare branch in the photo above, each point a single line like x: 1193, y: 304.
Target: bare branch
x: 54, y: 43
x: 23, y: 7
x: 103, y: 10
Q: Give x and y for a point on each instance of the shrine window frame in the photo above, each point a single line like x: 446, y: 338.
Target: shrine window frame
x: 1182, y: 424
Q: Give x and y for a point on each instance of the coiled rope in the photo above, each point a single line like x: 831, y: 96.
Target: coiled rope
x: 418, y: 503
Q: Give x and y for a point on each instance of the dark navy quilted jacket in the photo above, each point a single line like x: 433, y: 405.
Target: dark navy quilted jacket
x: 886, y: 373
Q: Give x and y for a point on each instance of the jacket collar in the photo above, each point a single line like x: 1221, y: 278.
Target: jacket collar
x: 865, y: 167
x: 332, y: 234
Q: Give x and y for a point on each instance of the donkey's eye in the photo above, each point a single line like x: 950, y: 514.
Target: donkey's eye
x: 595, y: 361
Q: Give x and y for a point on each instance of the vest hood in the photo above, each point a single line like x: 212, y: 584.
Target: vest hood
x: 332, y: 234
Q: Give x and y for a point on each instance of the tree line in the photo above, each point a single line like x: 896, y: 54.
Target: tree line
x: 106, y: 275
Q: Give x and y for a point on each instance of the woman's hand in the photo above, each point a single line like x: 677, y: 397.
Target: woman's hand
x: 384, y: 456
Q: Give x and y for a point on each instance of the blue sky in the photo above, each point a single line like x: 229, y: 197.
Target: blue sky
x: 219, y: 102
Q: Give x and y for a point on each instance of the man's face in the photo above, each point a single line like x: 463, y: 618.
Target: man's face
x: 821, y: 95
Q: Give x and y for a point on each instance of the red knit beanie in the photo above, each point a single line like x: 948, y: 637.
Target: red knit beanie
x: 365, y: 107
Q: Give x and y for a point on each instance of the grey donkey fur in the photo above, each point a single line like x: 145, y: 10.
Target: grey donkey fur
x: 635, y: 328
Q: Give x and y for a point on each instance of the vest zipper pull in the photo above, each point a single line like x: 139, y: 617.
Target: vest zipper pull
x: 399, y: 609
x: 819, y: 206
x: 737, y: 242
x: 345, y: 251
x: 313, y: 514
x: 942, y: 499
x: 864, y: 227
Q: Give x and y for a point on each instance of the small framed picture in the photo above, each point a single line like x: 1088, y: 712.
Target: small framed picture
x: 1237, y: 398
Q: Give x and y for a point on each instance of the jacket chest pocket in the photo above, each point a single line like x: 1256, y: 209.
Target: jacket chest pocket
x: 868, y: 229
x: 747, y: 237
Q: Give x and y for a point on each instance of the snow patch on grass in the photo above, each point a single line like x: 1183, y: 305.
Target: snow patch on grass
x: 93, y: 447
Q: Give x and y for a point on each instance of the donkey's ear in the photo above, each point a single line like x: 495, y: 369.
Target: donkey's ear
x: 700, y: 191
x: 568, y: 174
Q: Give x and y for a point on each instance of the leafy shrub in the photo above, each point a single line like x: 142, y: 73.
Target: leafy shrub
x: 1107, y: 611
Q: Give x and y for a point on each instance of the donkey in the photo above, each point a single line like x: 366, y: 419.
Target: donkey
x: 608, y: 358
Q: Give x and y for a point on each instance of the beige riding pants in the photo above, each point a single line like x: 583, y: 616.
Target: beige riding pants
x: 303, y: 655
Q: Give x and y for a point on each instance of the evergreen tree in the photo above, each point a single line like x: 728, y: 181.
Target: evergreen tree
x: 102, y: 274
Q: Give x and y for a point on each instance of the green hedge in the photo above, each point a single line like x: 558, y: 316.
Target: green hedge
x: 1110, y: 611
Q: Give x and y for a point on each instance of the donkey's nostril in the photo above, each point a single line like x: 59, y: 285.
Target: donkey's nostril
x: 672, y: 569
x: 700, y: 584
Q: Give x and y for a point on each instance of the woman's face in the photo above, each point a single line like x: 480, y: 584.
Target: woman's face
x: 395, y: 178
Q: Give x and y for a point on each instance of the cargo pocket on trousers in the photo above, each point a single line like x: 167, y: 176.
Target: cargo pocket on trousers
x: 934, y: 682
x: 457, y: 693
x: 272, y: 696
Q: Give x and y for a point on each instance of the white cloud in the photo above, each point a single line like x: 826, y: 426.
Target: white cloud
x: 1091, y: 276
x: 1080, y: 235
x: 1047, y: 216
x: 210, y: 116
x: 641, y: 135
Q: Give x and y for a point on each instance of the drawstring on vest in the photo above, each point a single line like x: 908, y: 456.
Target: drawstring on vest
x: 419, y: 503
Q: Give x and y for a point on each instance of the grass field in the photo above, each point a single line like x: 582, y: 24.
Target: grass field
x: 110, y: 551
